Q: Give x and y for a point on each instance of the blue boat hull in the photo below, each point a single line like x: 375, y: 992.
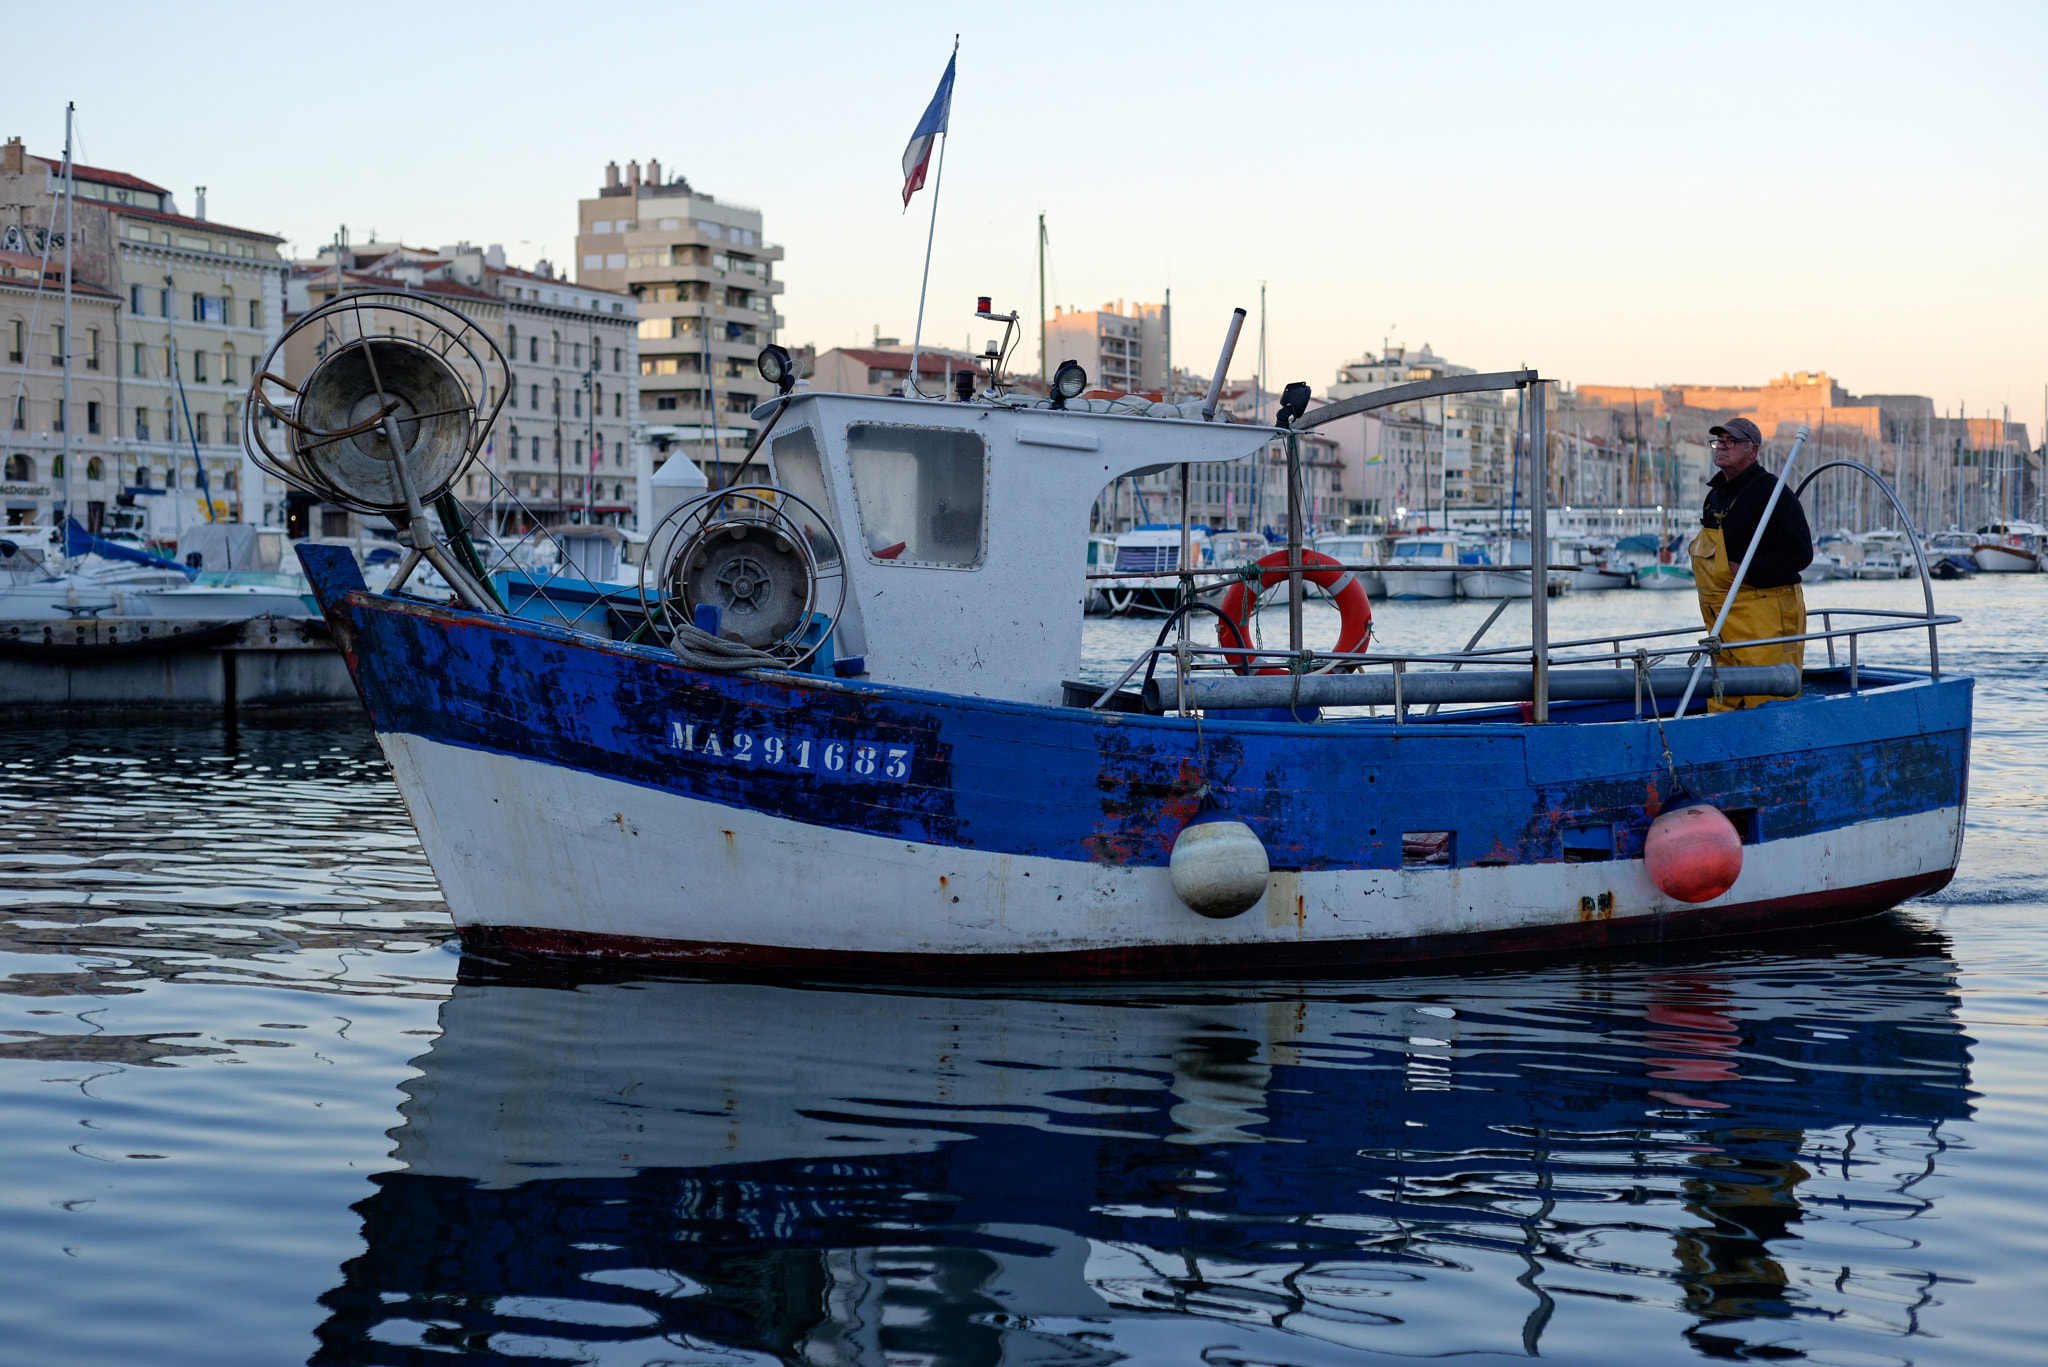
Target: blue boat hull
x: 585, y: 796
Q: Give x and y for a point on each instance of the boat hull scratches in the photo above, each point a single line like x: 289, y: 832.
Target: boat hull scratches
x: 541, y: 945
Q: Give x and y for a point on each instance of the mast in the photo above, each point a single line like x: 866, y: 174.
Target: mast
x: 1044, y: 375
x: 70, y: 418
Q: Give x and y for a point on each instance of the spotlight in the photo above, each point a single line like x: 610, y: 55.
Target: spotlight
x: 1067, y: 383
x: 776, y: 367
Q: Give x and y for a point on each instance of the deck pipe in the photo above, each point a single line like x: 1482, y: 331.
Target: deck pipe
x: 1475, y: 686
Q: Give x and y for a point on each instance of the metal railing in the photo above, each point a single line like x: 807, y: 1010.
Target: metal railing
x: 1190, y: 659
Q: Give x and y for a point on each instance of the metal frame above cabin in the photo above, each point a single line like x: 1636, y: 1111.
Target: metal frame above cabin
x: 1421, y: 389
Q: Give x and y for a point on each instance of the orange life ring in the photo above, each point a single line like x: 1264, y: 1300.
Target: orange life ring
x: 1355, y: 612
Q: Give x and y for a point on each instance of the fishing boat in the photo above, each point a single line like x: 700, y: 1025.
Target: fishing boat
x: 1662, y: 577
x: 848, y: 731
x: 2010, y: 547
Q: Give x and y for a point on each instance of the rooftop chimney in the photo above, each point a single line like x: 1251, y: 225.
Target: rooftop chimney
x: 653, y: 171
x: 633, y: 174
x: 199, y: 200
x: 11, y: 160
x: 611, y: 175
x: 494, y: 256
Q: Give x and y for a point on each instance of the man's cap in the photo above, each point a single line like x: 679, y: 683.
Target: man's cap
x: 1738, y: 429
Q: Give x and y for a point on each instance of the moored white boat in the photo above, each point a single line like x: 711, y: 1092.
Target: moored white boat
x: 1425, y: 565
x: 2010, y: 548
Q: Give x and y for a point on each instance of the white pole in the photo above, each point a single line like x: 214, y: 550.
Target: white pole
x: 70, y: 418
x: 938, y: 180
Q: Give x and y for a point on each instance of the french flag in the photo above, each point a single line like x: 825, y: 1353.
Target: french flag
x: 918, y: 155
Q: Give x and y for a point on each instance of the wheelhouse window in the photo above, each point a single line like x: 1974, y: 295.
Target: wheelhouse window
x: 798, y: 469
x: 922, y: 493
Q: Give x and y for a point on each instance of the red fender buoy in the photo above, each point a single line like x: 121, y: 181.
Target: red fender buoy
x: 1693, y: 852
x: 1354, y: 610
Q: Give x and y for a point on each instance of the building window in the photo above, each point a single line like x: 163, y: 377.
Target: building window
x: 92, y: 348
x: 536, y: 454
x: 58, y: 426
x: 199, y: 367
x: 227, y: 364
x: 665, y: 402
x: 92, y: 417
x: 554, y: 348
x: 511, y: 342
x: 533, y: 349
x: 255, y: 313
x: 17, y: 338
x: 95, y: 468
x: 135, y: 358
x: 513, y: 449
x: 617, y: 362
x: 618, y: 453
x: 135, y: 299
x: 142, y: 424
x: 533, y: 397
x: 579, y: 356
x: 576, y: 402
x: 199, y: 432
x: 555, y: 404
x: 618, y: 405
x: 20, y: 467
x: 57, y: 344
x: 163, y: 302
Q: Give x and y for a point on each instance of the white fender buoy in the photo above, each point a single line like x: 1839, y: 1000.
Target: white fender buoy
x: 1692, y: 852
x: 1219, y: 868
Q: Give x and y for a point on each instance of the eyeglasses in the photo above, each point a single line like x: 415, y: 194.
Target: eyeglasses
x: 1719, y: 445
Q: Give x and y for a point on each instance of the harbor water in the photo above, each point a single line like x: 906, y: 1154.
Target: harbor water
x: 260, y: 1109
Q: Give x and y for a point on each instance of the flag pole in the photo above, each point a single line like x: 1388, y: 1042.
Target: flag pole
x: 938, y: 180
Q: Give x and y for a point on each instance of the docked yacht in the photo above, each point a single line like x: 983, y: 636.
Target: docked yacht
x: 1425, y: 565
x: 2010, y: 547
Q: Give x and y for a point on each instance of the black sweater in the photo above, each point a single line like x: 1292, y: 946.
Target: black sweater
x: 1737, y: 505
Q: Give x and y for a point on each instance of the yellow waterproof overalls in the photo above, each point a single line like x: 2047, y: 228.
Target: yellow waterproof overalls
x: 1758, y: 615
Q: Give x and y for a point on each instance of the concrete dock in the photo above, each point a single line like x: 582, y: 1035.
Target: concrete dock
x: 142, y: 666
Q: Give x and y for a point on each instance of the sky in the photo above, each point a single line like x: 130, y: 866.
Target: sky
x: 1612, y: 194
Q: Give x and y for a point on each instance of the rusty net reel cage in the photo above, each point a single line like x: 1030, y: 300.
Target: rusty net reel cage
x: 400, y: 400
x: 764, y: 557
x: 381, y: 354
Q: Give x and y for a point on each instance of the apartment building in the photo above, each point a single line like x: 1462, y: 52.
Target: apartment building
x: 564, y: 448
x: 198, y: 304
x: 37, y: 483
x: 1123, y: 349
x: 1241, y: 495
x: 704, y: 279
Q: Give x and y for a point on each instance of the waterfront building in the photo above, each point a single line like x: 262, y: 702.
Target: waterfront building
x: 883, y: 369
x: 703, y: 277
x: 36, y: 482
x: 1124, y: 350
x: 1467, y: 464
x: 1948, y: 469
x: 565, y: 442
x: 196, y: 304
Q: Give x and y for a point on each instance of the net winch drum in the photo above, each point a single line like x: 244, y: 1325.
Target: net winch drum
x: 387, y: 359
x: 765, y: 558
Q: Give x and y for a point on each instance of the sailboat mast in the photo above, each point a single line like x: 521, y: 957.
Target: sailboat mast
x: 70, y: 193
x: 1044, y: 375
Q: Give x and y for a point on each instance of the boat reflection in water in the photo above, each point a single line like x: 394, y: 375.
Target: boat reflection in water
x: 1712, y: 1153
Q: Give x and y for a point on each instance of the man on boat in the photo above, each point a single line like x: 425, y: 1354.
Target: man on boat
x: 1770, y: 602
